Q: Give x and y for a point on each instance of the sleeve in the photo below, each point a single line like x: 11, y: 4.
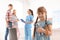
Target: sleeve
x: 6, y: 16
x: 7, y: 13
x: 49, y: 22
x: 31, y: 18
x: 14, y: 18
x: 17, y: 18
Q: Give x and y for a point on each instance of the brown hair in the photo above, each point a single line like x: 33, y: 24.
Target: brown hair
x: 31, y: 12
x: 40, y: 9
x: 13, y: 11
x: 10, y: 5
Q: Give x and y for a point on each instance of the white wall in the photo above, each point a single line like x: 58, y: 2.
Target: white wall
x: 53, y: 9
x: 3, y: 9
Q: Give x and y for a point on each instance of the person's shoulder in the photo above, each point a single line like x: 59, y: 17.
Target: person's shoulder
x: 31, y: 16
x: 8, y: 10
x: 38, y: 22
x: 49, y: 22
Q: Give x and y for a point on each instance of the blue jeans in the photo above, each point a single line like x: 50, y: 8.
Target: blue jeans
x: 28, y: 34
x: 7, y: 30
x: 6, y: 35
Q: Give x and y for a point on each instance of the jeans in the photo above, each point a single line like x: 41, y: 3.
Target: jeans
x: 7, y: 30
x: 6, y: 35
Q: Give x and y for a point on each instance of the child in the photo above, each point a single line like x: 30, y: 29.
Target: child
x: 15, y: 22
x: 8, y: 19
x: 28, y: 22
x: 42, y: 30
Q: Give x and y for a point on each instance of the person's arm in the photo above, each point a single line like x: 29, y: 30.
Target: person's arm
x: 40, y: 30
x: 29, y: 22
x: 26, y: 21
x: 6, y: 18
x: 6, y: 23
x: 48, y: 31
x: 16, y: 20
x: 48, y: 28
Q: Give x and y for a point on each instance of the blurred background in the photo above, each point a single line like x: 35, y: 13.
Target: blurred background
x: 21, y: 6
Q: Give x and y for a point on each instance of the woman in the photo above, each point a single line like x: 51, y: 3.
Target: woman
x: 28, y: 25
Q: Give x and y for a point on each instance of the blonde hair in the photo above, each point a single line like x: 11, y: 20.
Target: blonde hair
x: 13, y: 11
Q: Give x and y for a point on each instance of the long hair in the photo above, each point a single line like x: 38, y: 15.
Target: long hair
x: 35, y: 26
x: 40, y: 9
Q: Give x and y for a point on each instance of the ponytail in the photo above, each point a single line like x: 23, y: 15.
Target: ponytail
x: 31, y: 12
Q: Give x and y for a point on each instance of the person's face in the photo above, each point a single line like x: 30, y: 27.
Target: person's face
x: 10, y: 7
x: 14, y: 11
x: 28, y: 12
x: 41, y: 15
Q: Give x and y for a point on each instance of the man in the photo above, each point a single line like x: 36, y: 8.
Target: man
x: 8, y: 19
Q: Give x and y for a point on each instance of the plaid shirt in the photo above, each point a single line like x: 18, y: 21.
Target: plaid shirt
x: 8, y: 15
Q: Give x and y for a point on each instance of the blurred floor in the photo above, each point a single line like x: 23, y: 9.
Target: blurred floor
x: 55, y: 34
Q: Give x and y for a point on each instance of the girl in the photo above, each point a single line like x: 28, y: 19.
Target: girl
x: 42, y: 30
x: 14, y: 22
x: 28, y: 26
